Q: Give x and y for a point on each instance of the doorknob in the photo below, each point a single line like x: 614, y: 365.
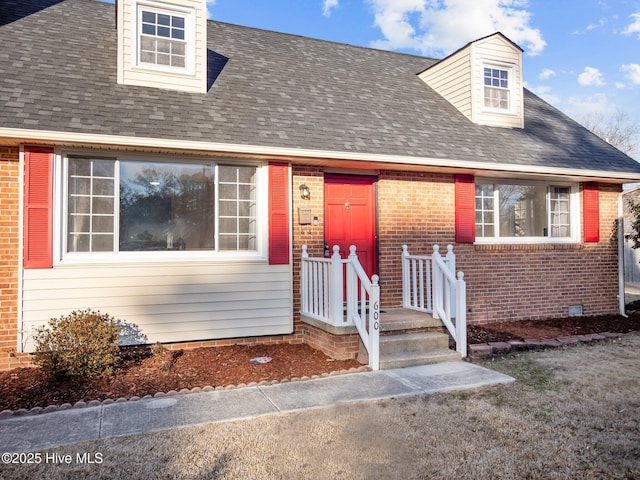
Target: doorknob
x: 347, y: 205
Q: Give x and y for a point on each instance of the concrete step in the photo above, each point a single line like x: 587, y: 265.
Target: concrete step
x: 412, y: 359
x: 413, y: 342
x: 393, y: 319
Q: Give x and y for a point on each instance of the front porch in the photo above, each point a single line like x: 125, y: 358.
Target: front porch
x: 342, y: 305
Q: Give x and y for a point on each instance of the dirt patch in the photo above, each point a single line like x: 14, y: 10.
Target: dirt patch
x: 553, y: 328
x: 141, y: 373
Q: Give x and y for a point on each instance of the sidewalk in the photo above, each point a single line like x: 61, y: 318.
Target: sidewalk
x: 48, y: 430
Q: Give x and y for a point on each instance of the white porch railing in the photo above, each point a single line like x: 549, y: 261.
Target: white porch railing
x: 322, y: 288
x: 429, y: 284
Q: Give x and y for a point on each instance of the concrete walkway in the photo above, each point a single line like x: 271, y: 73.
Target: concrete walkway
x: 47, y: 430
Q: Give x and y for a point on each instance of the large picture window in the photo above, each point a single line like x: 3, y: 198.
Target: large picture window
x: 134, y: 206
x: 528, y: 210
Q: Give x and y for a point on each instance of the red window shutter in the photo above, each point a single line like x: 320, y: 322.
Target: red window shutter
x: 279, y: 251
x: 38, y: 198
x: 465, y: 189
x: 591, y: 212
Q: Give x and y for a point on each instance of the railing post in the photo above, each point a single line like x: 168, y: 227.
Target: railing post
x: 406, y: 287
x: 352, y: 284
x: 337, y: 316
x: 374, y: 324
x: 437, y: 283
x: 451, y: 261
x: 461, y: 318
x: 304, y: 280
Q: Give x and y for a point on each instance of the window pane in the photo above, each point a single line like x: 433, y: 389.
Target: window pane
x: 102, y: 186
x: 90, y: 185
x: 102, y: 243
x: 522, y: 210
x: 79, y: 205
x: 177, y: 61
x: 164, y: 19
x: 484, y: 211
x: 166, y: 206
x: 237, y: 191
x: 177, y: 22
x: 560, y: 211
x: 78, y: 242
x: 148, y: 29
x: 148, y: 17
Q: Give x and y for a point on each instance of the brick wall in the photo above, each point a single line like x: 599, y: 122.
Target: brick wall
x: 9, y: 254
x: 504, y: 282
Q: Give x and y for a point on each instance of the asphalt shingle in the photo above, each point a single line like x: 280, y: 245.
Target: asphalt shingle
x: 58, y: 72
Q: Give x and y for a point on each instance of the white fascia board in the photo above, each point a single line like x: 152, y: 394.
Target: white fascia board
x: 114, y: 141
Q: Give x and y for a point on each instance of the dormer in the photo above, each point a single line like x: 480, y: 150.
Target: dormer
x: 483, y: 80
x: 163, y: 44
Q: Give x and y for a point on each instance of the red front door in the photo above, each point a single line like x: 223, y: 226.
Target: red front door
x: 349, y: 209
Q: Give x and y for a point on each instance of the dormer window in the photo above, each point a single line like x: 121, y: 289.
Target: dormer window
x: 163, y: 44
x: 483, y: 80
x: 496, y: 88
x: 165, y: 38
x: 162, y: 39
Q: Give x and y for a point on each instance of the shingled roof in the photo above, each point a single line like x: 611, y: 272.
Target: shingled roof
x: 266, y: 89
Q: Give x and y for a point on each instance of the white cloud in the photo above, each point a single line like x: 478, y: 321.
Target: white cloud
x: 591, y: 77
x: 438, y: 27
x: 601, y: 23
x: 327, y: 6
x: 620, y: 85
x: 634, y: 27
x: 546, y: 74
x: 544, y: 92
x: 633, y: 72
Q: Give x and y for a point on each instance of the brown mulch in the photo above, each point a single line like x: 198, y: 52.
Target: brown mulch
x: 553, y: 328
x: 141, y: 373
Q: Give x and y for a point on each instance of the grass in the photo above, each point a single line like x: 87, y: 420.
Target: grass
x: 572, y: 413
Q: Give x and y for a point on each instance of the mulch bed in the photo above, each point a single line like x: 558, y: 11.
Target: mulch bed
x: 553, y: 328
x: 141, y: 373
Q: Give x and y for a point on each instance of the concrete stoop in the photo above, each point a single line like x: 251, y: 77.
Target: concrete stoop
x: 411, y: 338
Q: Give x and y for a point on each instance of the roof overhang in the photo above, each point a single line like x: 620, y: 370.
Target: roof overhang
x: 341, y: 159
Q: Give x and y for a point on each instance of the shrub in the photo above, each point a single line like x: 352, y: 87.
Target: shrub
x: 82, y: 344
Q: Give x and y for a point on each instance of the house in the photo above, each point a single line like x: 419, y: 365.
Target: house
x: 171, y: 171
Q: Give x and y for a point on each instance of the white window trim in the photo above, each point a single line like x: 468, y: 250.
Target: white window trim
x: 574, y: 215
x: 510, y: 68
x: 190, y: 36
x: 62, y: 258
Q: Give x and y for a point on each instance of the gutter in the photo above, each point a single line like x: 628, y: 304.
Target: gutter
x: 621, y: 300
x: 299, y: 154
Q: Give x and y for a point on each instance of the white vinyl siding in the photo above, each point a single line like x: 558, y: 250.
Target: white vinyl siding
x: 167, y: 303
x: 459, y: 78
x: 498, y: 54
x: 452, y: 80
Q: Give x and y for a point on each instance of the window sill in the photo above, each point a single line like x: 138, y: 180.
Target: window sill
x: 495, y: 247
x: 123, y: 260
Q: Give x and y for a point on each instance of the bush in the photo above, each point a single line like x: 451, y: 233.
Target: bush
x: 82, y: 344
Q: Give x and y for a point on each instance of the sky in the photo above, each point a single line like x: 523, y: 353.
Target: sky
x: 582, y: 56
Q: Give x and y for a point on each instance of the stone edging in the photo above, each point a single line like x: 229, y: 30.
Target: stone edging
x: 21, y: 412
x: 485, y: 351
